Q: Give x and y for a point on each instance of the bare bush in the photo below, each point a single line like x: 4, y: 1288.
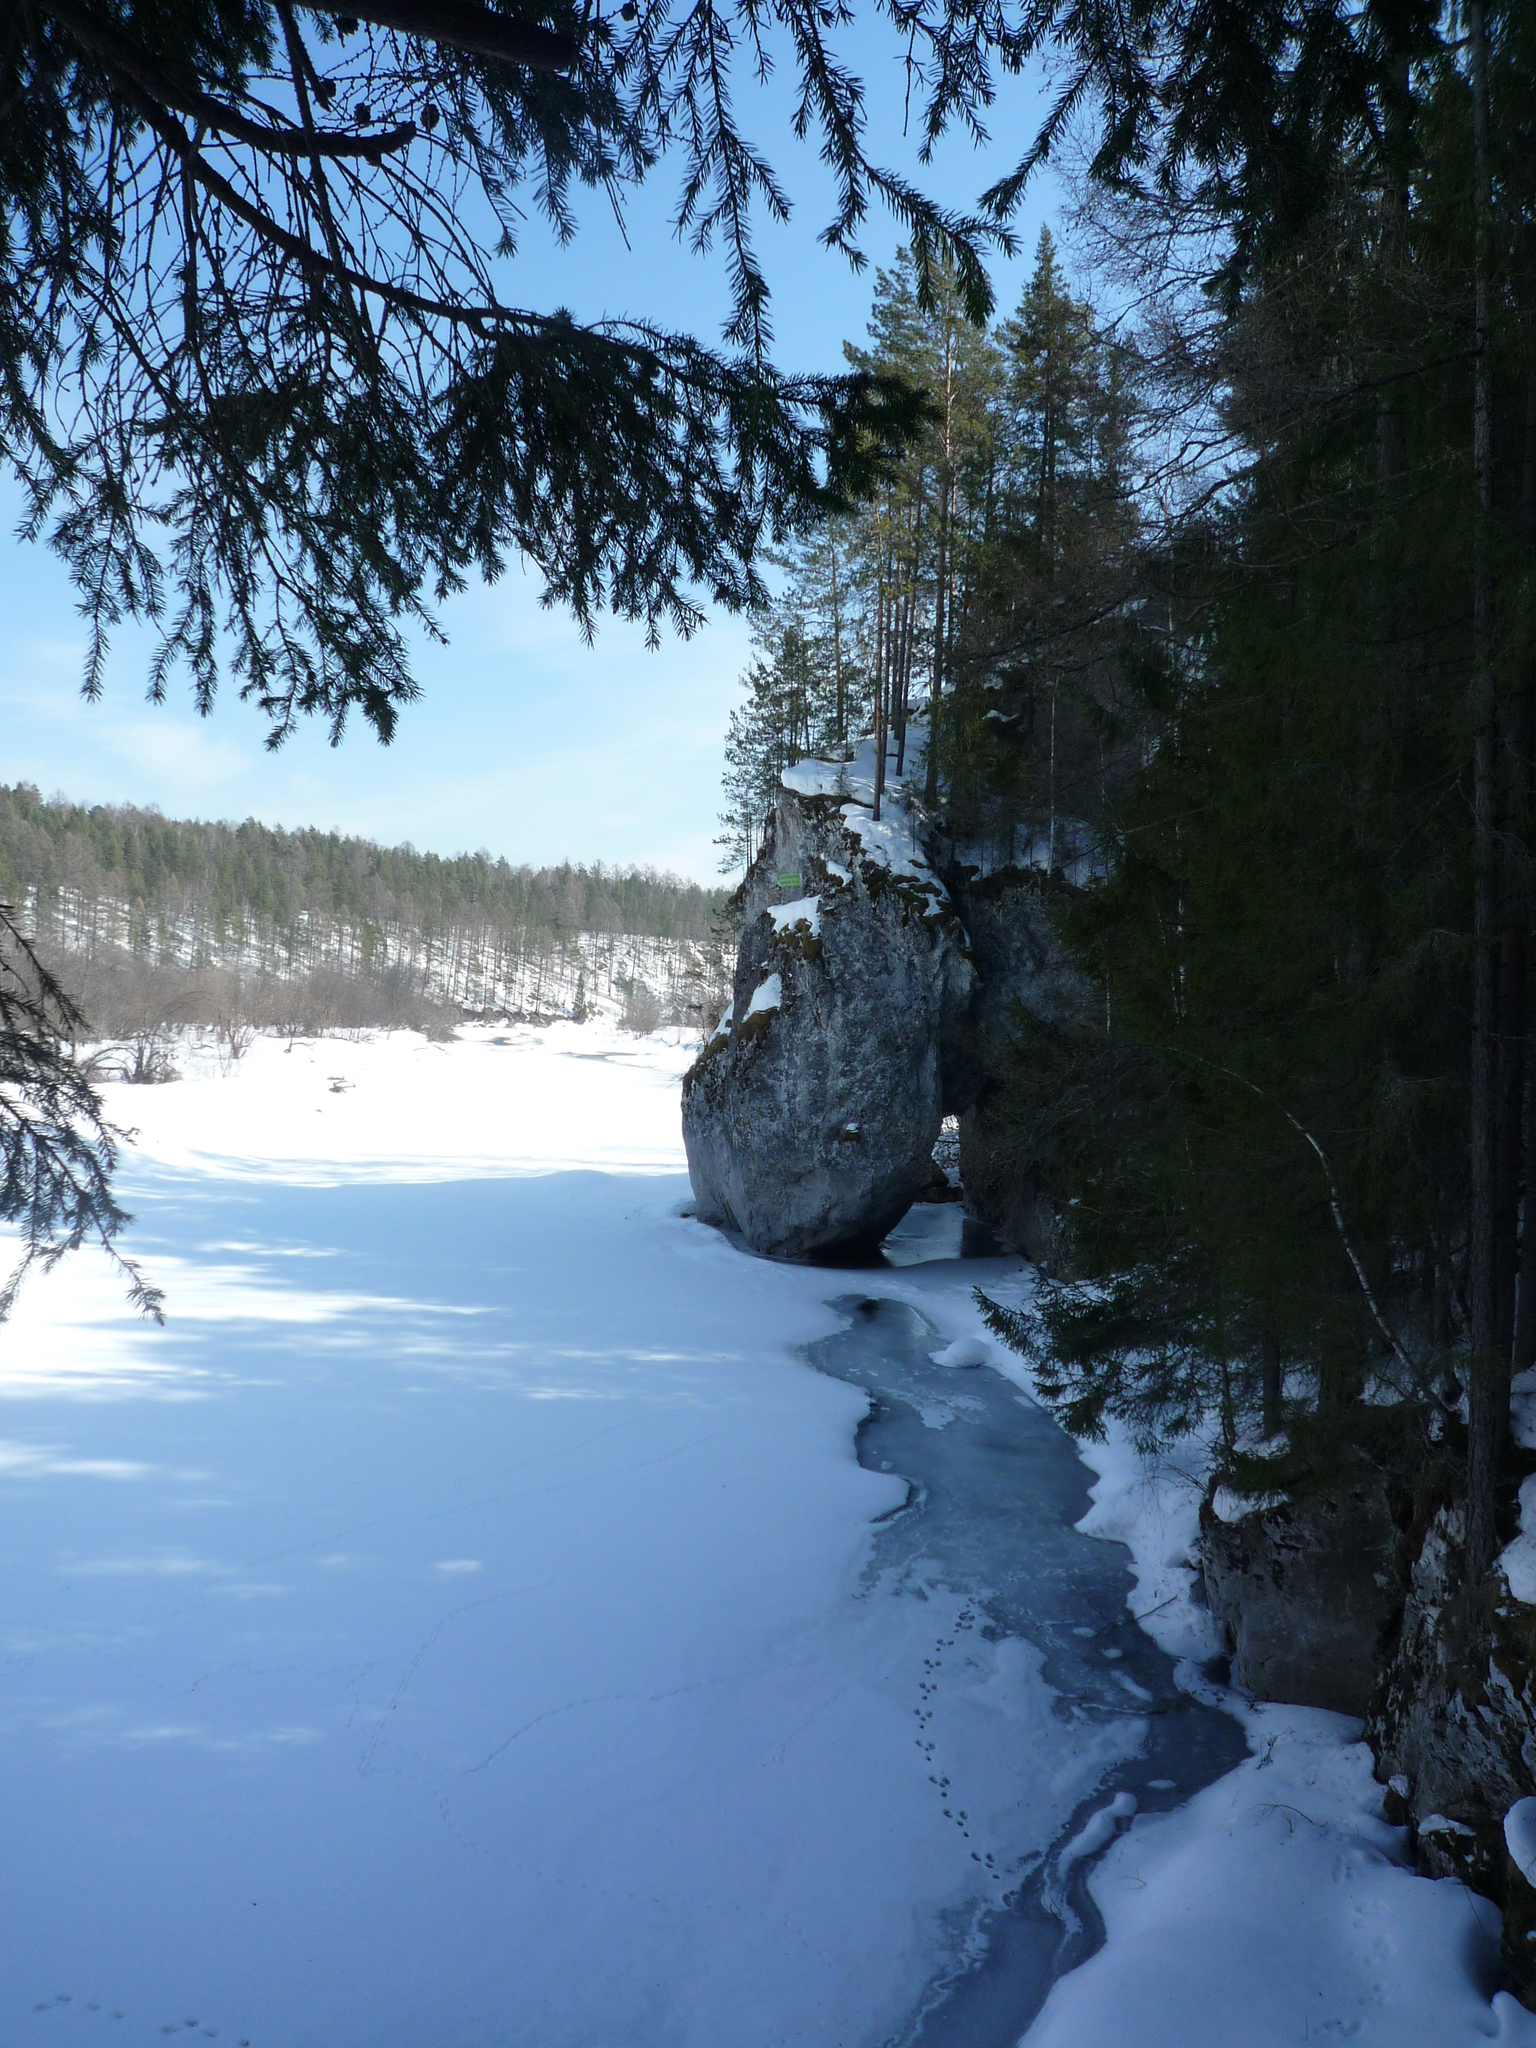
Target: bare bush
x: 137, y: 1005
x: 642, y: 1010
x: 147, y: 1061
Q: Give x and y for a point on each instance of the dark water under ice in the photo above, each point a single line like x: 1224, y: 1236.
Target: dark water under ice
x: 995, y: 1494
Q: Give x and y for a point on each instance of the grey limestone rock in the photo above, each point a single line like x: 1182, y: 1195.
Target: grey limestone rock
x: 1455, y: 1716
x: 1308, y: 1592
x: 811, y: 1114
x: 1021, y: 969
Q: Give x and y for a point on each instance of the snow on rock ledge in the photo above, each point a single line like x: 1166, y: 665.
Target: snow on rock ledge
x: 810, y: 1124
x: 1520, y: 1837
x: 1517, y: 1560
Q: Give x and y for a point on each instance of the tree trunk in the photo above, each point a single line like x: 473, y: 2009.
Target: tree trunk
x: 1395, y: 197
x: 941, y: 569
x: 1273, y: 1385
x: 883, y: 631
x: 1519, y: 859
x: 1511, y: 1035
x: 1488, y: 1373
x: 837, y: 642
x: 946, y: 491
x: 1340, y: 1365
x: 903, y: 683
x: 1050, y: 844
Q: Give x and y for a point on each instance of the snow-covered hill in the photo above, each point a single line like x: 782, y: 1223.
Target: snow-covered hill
x: 528, y: 969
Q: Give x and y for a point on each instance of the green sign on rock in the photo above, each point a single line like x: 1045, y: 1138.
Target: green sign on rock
x: 789, y: 881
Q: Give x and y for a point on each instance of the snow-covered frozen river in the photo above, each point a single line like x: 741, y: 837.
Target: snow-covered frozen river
x: 996, y: 1490
x: 475, y: 1619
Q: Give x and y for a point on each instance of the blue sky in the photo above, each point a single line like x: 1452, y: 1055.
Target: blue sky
x: 526, y: 741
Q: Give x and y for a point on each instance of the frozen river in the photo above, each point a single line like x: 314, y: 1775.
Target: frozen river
x: 473, y: 1620
x: 996, y: 1489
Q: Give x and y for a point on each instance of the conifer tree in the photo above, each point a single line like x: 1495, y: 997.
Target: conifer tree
x: 1321, y: 877
x: 1040, y: 715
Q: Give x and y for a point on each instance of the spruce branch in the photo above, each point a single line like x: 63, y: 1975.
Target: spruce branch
x: 57, y: 1151
x: 1335, y: 1198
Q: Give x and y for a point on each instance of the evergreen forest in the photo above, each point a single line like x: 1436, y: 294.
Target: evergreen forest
x: 153, y: 922
x: 1217, y: 558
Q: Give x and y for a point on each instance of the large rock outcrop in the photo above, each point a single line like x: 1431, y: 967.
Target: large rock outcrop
x: 1022, y: 973
x: 1454, y: 1722
x: 810, y: 1115
x: 1356, y: 1597
x: 1308, y: 1591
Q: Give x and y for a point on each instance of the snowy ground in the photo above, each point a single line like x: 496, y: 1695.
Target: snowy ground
x: 1276, y: 1906
x: 453, y: 1627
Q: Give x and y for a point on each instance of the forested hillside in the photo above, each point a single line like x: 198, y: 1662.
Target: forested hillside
x: 155, y: 919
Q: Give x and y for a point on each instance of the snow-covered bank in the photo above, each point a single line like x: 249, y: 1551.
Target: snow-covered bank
x: 455, y: 1626
x: 1277, y: 1906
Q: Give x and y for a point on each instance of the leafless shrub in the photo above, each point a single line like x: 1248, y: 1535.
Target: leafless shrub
x: 147, y: 1061
x: 642, y: 1010
x: 140, y: 1005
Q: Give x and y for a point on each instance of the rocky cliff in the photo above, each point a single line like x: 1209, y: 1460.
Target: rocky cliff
x: 1356, y: 1598
x: 810, y: 1115
x: 1308, y: 1591
x: 875, y: 993
x: 1022, y: 971
x: 879, y: 975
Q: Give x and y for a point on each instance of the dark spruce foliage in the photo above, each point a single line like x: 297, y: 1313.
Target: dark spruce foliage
x: 259, y: 373
x: 1290, y: 1137
x: 57, y: 1153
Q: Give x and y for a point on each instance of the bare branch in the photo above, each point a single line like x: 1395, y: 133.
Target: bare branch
x: 124, y: 58
x: 464, y: 27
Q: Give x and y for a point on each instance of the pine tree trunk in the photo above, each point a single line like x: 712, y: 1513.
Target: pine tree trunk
x: 941, y: 570
x: 883, y: 632
x: 1511, y: 1035
x: 1339, y: 1369
x: 1273, y: 1385
x: 946, y: 491
x: 902, y: 686
x: 1521, y: 856
x: 1395, y: 199
x: 837, y: 643
x: 1488, y: 1373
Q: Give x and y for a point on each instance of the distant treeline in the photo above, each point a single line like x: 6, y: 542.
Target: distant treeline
x: 238, y: 872
x: 116, y: 893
